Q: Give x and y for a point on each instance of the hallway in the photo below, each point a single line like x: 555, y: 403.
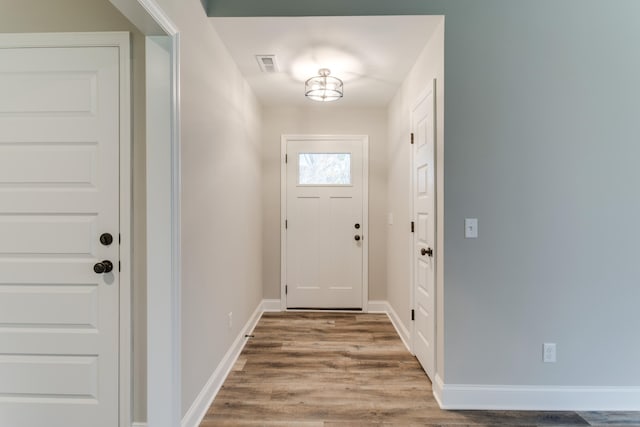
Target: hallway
x: 346, y: 369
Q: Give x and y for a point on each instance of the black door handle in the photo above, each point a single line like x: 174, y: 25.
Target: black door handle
x: 427, y: 251
x: 103, y: 267
x: 357, y: 237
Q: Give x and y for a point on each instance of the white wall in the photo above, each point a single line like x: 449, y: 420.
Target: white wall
x: 429, y: 65
x: 324, y: 119
x: 221, y: 197
x: 99, y: 15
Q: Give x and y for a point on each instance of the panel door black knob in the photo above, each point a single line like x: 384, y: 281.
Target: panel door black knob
x: 106, y: 239
x: 427, y: 251
x: 357, y: 237
x: 103, y: 267
x: 357, y: 226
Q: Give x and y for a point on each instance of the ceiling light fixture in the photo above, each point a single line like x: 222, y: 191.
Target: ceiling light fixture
x: 323, y: 87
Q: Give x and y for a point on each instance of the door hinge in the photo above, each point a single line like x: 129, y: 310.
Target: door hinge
x: 119, y: 266
x: 286, y: 289
x: 412, y: 137
x: 286, y: 158
x: 413, y: 227
x: 286, y: 224
x: 119, y: 238
x: 413, y: 315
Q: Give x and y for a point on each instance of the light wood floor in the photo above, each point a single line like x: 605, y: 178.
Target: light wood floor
x: 342, y: 369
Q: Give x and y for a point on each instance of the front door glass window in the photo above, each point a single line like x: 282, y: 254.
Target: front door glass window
x: 324, y: 169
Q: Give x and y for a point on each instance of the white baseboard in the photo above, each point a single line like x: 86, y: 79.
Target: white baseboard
x: 377, y: 307
x: 536, y: 398
x: 437, y: 386
x: 404, y: 333
x: 198, y: 409
x: 385, y: 307
x: 271, y: 305
x: 139, y: 425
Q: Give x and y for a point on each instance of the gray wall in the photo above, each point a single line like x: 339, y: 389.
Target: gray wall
x: 99, y: 15
x: 542, y: 139
x: 324, y: 119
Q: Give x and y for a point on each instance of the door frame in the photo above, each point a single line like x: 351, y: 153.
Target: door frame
x: 364, y: 139
x: 431, y: 88
x: 163, y: 388
x: 119, y: 40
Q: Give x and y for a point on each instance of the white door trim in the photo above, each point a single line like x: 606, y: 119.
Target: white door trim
x: 163, y: 297
x: 119, y: 40
x: 164, y: 390
x: 412, y: 280
x: 164, y: 408
x: 365, y: 214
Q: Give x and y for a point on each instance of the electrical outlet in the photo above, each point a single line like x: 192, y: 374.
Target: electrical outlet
x: 230, y: 316
x: 549, y: 352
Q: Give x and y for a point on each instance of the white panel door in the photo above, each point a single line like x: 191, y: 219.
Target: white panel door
x: 325, y: 231
x: 423, y: 173
x: 59, y: 142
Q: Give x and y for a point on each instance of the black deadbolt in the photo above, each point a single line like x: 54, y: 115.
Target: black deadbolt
x: 106, y: 239
x: 103, y: 267
x: 357, y: 226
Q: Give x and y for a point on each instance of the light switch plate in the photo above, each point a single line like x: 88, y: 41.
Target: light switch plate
x: 471, y: 228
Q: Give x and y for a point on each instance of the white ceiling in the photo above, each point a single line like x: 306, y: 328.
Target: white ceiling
x: 371, y: 54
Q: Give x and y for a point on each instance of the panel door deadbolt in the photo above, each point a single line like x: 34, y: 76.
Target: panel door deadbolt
x: 106, y: 239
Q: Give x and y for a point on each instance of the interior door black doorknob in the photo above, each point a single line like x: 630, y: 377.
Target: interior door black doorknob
x: 103, y: 267
x: 427, y: 251
x: 357, y: 237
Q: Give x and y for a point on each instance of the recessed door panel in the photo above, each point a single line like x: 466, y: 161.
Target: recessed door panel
x: 305, y: 273
x: 43, y: 92
x: 69, y: 306
x: 30, y: 378
x: 422, y: 231
x: 38, y: 235
x: 421, y: 188
x: 48, y: 165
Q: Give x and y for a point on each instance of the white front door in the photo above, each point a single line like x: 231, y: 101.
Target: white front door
x: 423, y: 173
x: 59, y: 171
x: 326, y: 228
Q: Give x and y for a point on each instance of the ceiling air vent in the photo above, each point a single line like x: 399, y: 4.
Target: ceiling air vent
x: 267, y: 63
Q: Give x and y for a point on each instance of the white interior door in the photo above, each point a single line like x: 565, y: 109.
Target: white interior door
x: 59, y: 171
x: 325, y: 223
x: 423, y: 173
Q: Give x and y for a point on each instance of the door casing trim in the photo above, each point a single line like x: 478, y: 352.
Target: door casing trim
x: 365, y: 211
